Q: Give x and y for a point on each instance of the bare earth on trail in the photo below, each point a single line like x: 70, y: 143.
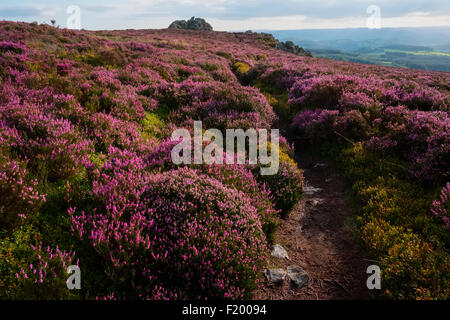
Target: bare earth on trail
x: 317, y: 239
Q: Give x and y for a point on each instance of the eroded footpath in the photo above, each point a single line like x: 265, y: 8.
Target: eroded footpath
x: 318, y: 239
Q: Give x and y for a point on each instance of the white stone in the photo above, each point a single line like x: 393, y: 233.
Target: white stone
x: 279, y: 252
x: 309, y: 190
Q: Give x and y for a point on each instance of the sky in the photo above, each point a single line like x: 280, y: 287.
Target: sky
x: 232, y: 15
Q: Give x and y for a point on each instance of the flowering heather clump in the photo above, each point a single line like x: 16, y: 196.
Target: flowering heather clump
x: 210, y: 235
x: 420, y: 138
x: 316, y: 124
x: 441, y: 208
x: 354, y: 92
x: 355, y: 100
x: 48, y: 140
x: 242, y: 179
x: 47, y: 269
x: 217, y: 105
x: 286, y: 186
x: 12, y: 46
x: 32, y: 270
x: 415, y: 97
x: 63, y: 68
x: 20, y: 197
x: 105, y: 130
x: 320, y: 92
x: 161, y: 157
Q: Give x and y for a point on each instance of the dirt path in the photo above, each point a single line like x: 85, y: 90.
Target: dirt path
x: 317, y: 238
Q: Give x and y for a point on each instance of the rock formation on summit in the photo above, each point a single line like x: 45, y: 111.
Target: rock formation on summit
x: 192, y: 24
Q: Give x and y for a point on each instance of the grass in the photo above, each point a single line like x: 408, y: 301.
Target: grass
x: 420, y: 53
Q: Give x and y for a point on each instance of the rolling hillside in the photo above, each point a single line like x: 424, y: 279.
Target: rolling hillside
x: 87, y: 178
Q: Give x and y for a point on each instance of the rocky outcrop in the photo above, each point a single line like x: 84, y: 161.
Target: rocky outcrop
x: 289, y: 46
x: 194, y: 23
x: 297, y: 276
x: 275, y: 276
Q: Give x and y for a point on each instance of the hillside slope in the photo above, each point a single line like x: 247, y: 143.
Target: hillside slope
x: 87, y: 178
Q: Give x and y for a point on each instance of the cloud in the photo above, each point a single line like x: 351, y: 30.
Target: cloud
x: 99, y: 9
x: 26, y: 12
x: 234, y: 9
x: 19, y: 12
x: 414, y: 19
x: 234, y: 14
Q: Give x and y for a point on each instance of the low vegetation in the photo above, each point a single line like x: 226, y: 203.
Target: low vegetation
x: 86, y: 176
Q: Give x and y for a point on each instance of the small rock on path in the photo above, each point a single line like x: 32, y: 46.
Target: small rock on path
x: 279, y: 252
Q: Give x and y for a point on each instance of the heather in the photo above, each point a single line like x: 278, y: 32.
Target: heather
x: 386, y: 130
x: 397, y: 158
x: 86, y: 175
x: 210, y: 235
x: 389, y: 136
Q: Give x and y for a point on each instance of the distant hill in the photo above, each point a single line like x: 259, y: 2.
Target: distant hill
x: 420, y: 48
x: 414, y: 36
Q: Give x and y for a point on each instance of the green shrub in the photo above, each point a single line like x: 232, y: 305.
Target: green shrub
x: 397, y: 227
x: 241, y: 68
x: 32, y: 272
x: 152, y: 126
x: 286, y: 186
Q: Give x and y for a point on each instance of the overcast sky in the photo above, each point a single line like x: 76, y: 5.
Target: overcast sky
x: 231, y: 15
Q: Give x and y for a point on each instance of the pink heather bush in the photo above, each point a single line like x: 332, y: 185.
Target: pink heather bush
x: 178, y: 234
x: 284, y: 189
x: 20, y: 198
x: 14, y: 47
x: 354, y: 92
x: 216, y: 104
x: 242, y: 179
x: 106, y: 130
x: 441, y: 207
x: 286, y: 186
x: 421, y: 138
x: 45, y: 276
x: 210, y: 234
x: 315, y: 125
x: 415, y: 97
x: 320, y: 92
x: 64, y: 68
x: 52, y: 141
x: 160, y: 158
x: 418, y: 137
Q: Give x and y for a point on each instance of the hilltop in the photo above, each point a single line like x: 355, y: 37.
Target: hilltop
x: 192, y: 24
